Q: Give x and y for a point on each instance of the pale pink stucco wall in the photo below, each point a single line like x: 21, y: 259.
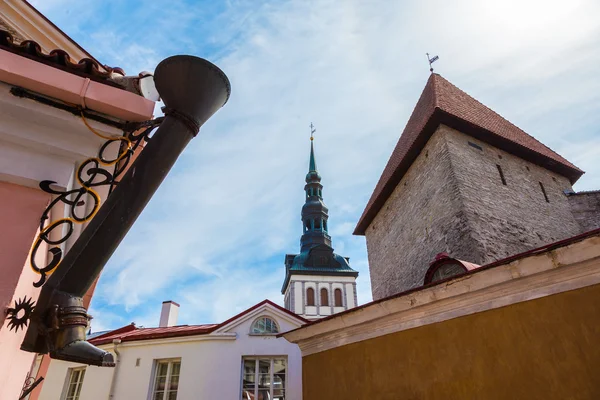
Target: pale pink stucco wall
x: 20, y: 211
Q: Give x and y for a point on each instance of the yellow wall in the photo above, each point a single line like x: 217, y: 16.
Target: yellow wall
x: 547, y: 348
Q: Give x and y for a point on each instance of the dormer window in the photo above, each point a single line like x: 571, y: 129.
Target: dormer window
x: 264, y: 326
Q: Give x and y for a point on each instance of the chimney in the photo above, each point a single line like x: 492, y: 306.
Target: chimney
x: 168, y: 314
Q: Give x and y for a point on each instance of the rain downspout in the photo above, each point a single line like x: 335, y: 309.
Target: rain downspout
x: 111, y: 393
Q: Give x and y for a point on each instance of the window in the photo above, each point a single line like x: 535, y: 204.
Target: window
x: 264, y: 326
x: 324, y: 297
x: 476, y: 146
x: 446, y: 271
x: 544, y: 192
x: 310, y: 296
x: 166, y: 380
x: 337, y: 296
x: 74, y: 383
x: 501, y: 174
x: 263, y: 378
x: 307, y: 224
x: 317, y: 224
x: 325, y: 225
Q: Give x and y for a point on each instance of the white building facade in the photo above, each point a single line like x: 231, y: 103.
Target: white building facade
x: 315, y: 296
x: 241, y: 358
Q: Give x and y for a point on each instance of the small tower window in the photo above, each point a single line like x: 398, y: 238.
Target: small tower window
x: 544, y: 192
x: 501, y: 174
x: 320, y: 193
x: 318, y: 224
x: 337, y: 296
x: 325, y: 225
x: 307, y: 225
x: 324, y: 297
x: 264, y: 326
x: 310, y: 296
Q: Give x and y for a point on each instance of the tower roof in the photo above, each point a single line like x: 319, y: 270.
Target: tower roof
x: 443, y: 103
x: 316, y: 254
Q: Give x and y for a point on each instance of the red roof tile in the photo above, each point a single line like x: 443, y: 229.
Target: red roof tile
x: 127, y: 334
x: 443, y: 103
x: 86, y: 67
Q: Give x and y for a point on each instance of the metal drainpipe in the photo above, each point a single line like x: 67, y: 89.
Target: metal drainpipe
x: 111, y: 394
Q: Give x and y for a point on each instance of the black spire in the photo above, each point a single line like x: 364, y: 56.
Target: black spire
x: 314, y: 212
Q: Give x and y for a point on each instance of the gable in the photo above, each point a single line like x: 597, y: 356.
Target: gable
x: 242, y: 323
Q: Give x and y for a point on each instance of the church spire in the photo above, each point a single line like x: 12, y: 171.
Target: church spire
x: 314, y: 212
x: 312, y: 167
x: 305, y: 293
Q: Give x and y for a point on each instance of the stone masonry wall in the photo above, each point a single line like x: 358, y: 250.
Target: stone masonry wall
x: 452, y: 199
x: 512, y: 218
x: 585, y: 207
x: 423, y: 216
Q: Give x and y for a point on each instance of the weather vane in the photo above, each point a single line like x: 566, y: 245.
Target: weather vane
x: 312, y: 131
x: 431, y: 61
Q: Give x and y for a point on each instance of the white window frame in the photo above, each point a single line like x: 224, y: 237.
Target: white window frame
x: 271, y: 374
x: 78, y: 386
x: 153, y: 382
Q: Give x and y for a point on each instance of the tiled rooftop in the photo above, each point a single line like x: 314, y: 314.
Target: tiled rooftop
x: 442, y: 102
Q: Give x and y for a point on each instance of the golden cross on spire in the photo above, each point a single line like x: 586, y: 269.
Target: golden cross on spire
x: 312, y: 131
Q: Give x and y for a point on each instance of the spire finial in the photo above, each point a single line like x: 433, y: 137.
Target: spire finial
x: 312, y: 166
x: 431, y: 61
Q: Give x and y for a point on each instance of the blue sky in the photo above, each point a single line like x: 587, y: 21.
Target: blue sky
x: 214, y: 236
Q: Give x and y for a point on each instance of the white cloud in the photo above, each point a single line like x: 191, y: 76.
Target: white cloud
x: 215, y: 234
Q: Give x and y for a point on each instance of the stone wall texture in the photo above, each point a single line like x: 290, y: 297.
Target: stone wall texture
x: 423, y: 216
x: 452, y: 200
x: 585, y: 207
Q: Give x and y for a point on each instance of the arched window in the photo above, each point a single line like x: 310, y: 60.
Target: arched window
x: 264, y: 326
x: 324, y: 297
x: 310, y: 296
x: 337, y: 296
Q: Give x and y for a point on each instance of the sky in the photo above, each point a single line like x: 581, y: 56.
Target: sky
x: 214, y: 236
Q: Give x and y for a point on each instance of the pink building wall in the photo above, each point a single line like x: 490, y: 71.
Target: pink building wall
x: 20, y: 211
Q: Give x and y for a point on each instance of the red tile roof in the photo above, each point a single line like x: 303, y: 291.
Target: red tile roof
x: 130, y: 333
x: 86, y: 67
x: 443, y: 103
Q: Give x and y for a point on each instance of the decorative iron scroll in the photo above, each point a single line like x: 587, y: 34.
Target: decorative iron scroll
x: 30, y: 384
x: 19, y: 314
x: 92, y: 173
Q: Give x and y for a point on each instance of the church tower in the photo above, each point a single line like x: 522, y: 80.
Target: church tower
x: 318, y: 282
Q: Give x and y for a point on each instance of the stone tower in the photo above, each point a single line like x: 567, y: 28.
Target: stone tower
x: 465, y: 181
x: 318, y: 282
